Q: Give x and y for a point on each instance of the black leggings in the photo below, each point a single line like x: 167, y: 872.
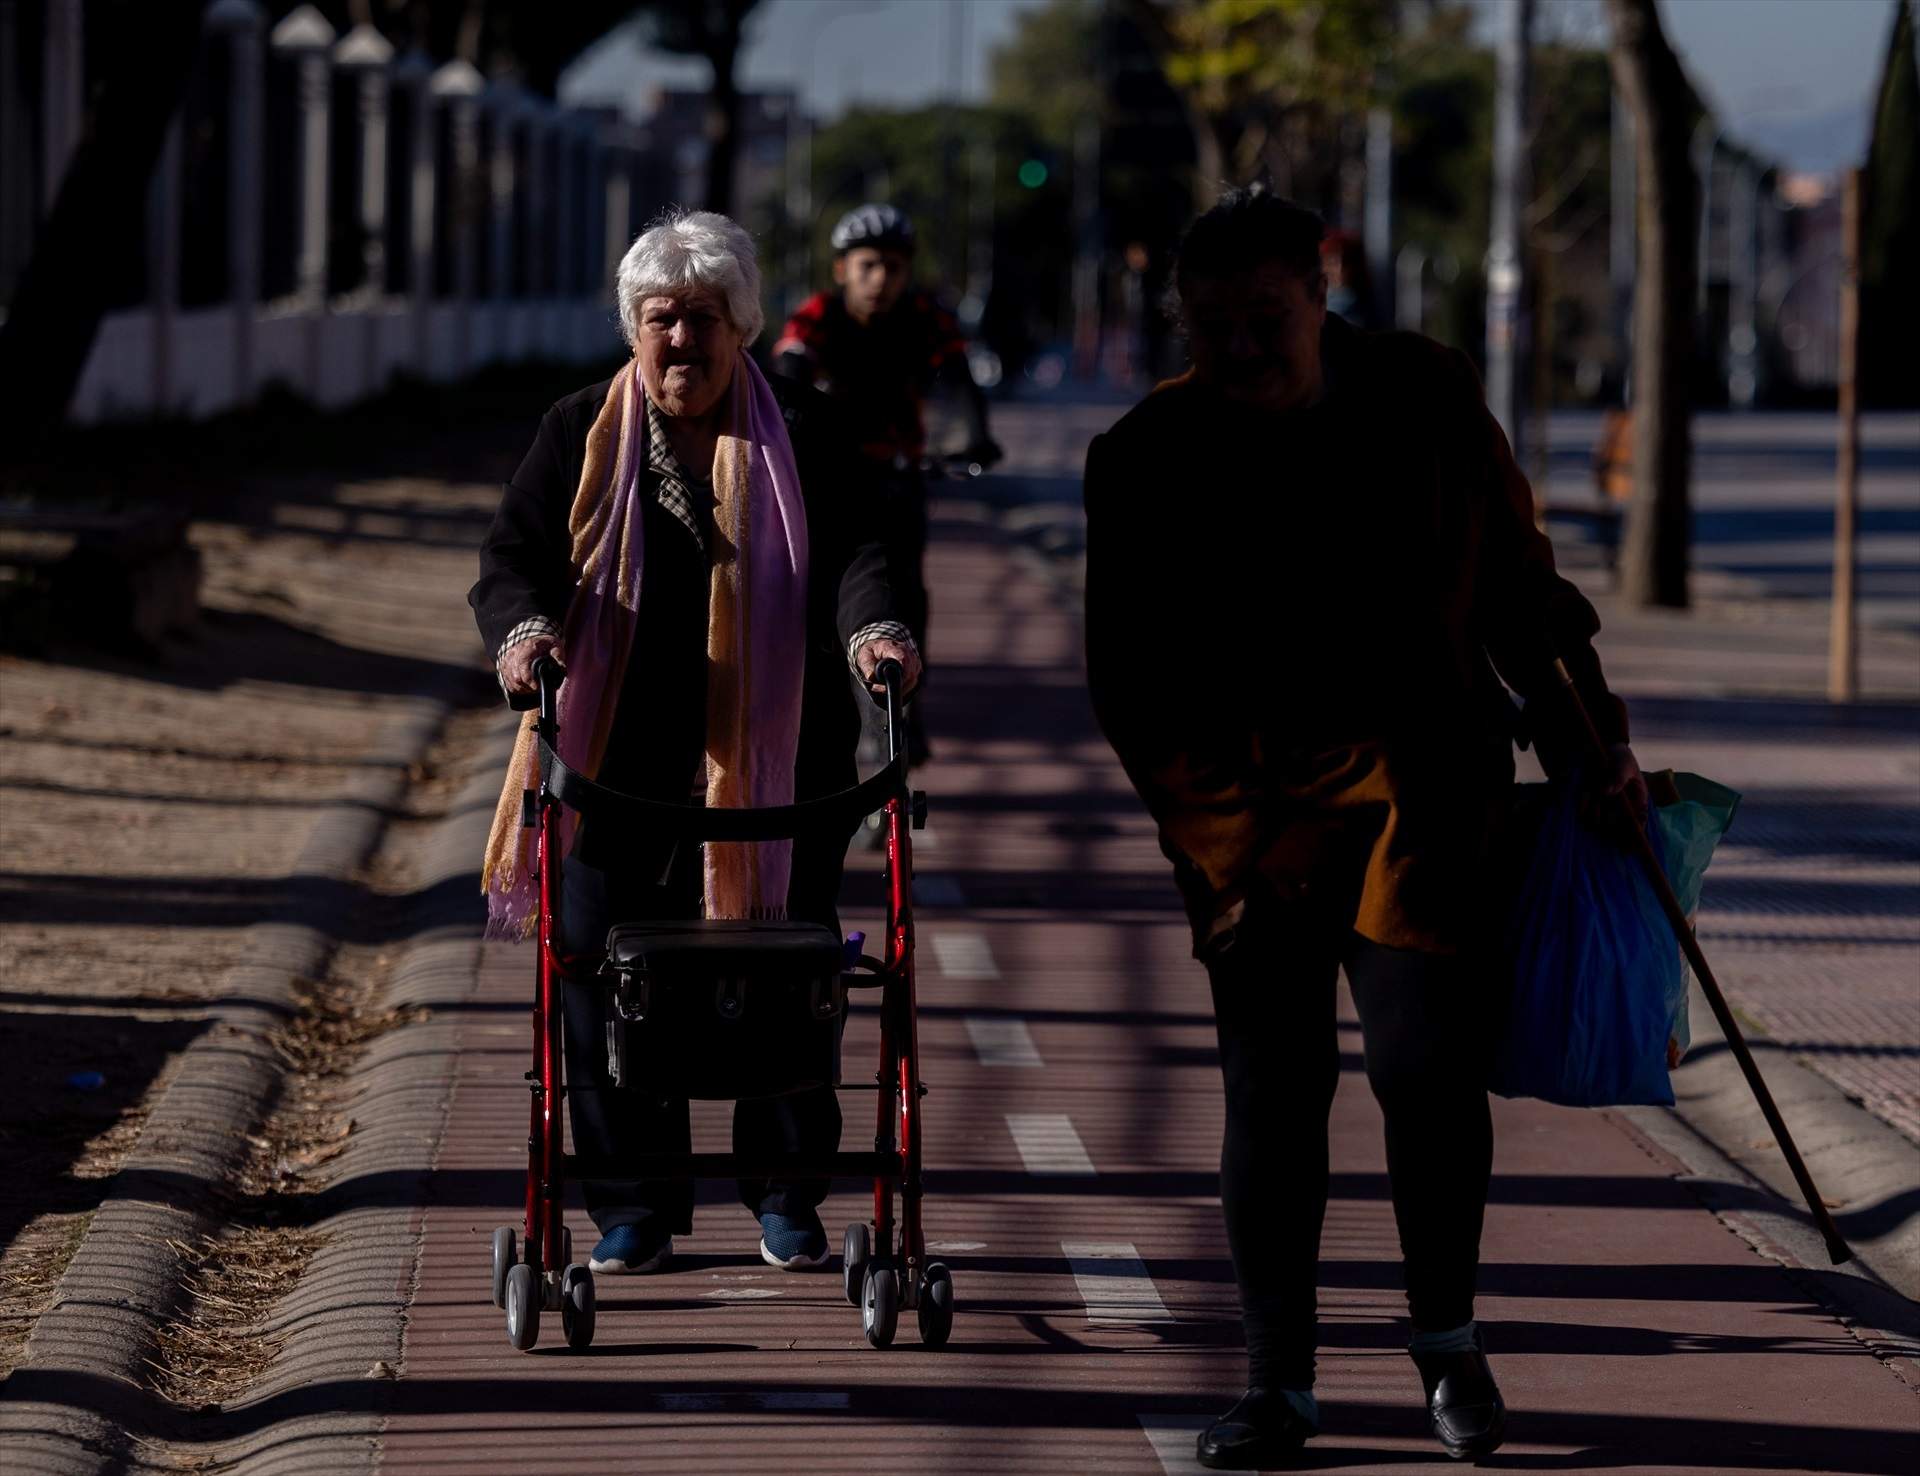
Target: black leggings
x: 1425, y: 1044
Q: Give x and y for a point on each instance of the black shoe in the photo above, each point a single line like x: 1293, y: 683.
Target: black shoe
x: 1263, y: 1429
x: 1464, y: 1407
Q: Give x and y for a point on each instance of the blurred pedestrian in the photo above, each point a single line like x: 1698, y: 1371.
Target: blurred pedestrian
x: 687, y: 519
x: 878, y: 344
x: 1612, y: 467
x: 1343, y: 261
x: 1307, y: 559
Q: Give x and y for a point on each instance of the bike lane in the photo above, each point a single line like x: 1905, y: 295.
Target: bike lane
x: 1072, y: 1137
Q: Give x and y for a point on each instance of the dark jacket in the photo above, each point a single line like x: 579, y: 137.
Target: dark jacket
x: 1293, y: 632
x: 526, y: 569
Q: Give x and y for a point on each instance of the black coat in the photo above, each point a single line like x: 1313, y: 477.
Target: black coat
x: 1294, y: 625
x: 526, y: 569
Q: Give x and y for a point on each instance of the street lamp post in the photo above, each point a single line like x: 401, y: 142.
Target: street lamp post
x: 1622, y: 246
x: 1378, y: 218
x: 1843, y: 631
x: 1743, y: 270
x: 1409, y: 289
x: 1506, y: 262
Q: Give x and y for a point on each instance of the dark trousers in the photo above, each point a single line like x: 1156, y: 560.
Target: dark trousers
x: 613, y: 1121
x: 1425, y: 1041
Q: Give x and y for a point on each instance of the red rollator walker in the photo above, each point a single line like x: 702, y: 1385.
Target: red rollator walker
x: 721, y: 1010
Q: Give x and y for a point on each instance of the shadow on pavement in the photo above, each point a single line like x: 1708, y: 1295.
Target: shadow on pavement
x: 235, y: 647
x: 83, y: 744
x: 1585, y: 1441
x: 483, y: 1188
x: 51, y: 1127
x: 1744, y: 717
x: 217, y: 902
x: 56, y: 789
x: 341, y: 520
x: 1794, y: 822
x: 1812, y: 896
x: 1085, y: 896
x: 1717, y: 457
x: 1727, y: 525
x: 1054, y: 1015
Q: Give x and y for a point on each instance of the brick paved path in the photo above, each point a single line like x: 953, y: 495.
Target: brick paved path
x: 1077, y: 1201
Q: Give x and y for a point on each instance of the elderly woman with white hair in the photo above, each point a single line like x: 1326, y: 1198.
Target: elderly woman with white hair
x: 683, y: 520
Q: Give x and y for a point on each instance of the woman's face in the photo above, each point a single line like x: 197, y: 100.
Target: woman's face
x: 1255, y: 335
x: 687, y: 349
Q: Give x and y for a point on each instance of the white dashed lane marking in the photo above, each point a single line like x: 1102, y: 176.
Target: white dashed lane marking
x: 1173, y: 1438
x: 1048, y: 1144
x: 1114, y: 1282
x: 999, y: 1041
x: 965, y: 956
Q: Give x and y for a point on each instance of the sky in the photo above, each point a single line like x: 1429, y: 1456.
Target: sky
x: 1792, y: 78
x: 836, y: 52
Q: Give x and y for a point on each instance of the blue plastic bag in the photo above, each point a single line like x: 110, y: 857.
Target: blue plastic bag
x: 1690, y: 815
x: 1595, y: 972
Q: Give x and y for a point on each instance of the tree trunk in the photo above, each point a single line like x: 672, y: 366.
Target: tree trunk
x: 1211, y: 128
x: 1890, y: 229
x: 723, y: 110
x: 1654, y: 553
x: 1209, y: 155
x: 62, y: 295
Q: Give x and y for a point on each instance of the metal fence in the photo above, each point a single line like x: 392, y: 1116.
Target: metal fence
x: 327, y: 214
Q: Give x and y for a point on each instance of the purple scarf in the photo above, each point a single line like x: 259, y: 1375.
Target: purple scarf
x: 756, y: 643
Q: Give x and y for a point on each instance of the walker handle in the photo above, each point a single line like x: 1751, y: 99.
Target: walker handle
x: 892, y: 676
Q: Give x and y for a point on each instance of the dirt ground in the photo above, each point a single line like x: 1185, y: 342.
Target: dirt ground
x: 153, y: 807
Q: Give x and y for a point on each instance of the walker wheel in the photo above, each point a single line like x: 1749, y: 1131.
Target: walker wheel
x: 523, y: 1307
x: 935, y: 1306
x: 855, y: 1252
x: 879, y: 1304
x: 503, y: 1261
x: 576, y: 1307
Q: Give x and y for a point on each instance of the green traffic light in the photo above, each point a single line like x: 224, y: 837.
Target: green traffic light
x: 1033, y: 174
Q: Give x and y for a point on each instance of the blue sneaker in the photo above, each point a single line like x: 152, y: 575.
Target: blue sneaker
x: 793, y: 1242
x: 629, y: 1250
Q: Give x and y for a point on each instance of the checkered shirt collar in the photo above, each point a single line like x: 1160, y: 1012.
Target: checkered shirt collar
x: 673, y: 488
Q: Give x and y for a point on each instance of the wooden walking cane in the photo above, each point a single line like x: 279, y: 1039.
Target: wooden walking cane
x: 1690, y: 945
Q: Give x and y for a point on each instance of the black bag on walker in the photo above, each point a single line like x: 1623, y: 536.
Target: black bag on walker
x: 723, y: 1010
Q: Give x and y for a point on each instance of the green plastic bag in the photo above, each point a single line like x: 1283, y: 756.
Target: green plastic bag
x: 1690, y: 814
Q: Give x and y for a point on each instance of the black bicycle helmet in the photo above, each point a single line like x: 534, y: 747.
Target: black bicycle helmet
x: 880, y: 226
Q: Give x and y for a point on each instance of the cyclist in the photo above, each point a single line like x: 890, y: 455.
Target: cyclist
x: 879, y: 345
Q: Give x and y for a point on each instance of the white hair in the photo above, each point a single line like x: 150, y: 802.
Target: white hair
x: 691, y: 248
